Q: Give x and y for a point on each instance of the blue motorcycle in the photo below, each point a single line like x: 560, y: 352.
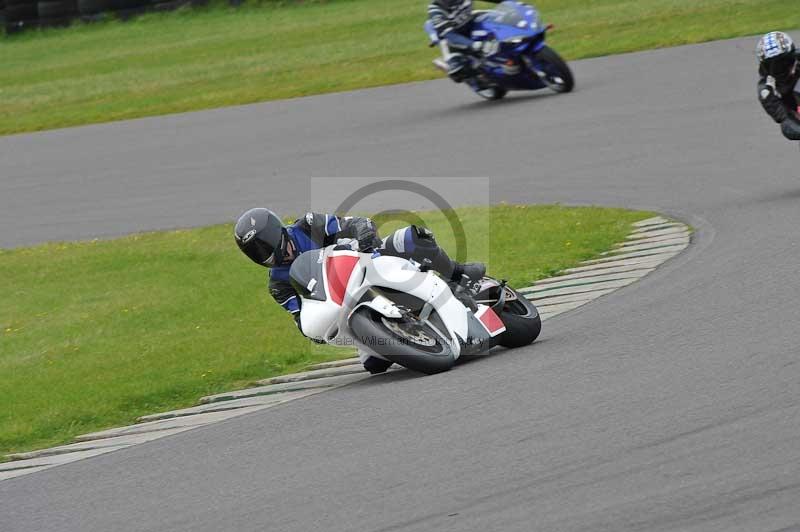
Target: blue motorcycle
x: 515, y: 54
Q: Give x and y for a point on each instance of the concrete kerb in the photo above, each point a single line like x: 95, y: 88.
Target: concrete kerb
x: 335, y: 363
x: 169, y: 424
x: 656, y: 236
x: 638, y: 254
x: 314, y: 374
x: 620, y: 272
x: 655, y: 259
x: 648, y: 246
x: 542, y: 304
x: 22, y: 467
x: 651, y: 243
x: 587, y: 280
x: 95, y: 445
x: 221, y: 406
x: 650, y: 230
x: 656, y: 220
x: 12, y: 473
x: 549, y: 312
x: 326, y: 382
x: 580, y: 289
x: 581, y: 273
x: 634, y: 238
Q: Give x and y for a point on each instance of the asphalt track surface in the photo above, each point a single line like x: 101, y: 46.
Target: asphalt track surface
x: 673, y: 404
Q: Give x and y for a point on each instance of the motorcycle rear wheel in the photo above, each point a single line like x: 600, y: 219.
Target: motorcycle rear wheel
x: 415, y: 346
x: 522, y: 321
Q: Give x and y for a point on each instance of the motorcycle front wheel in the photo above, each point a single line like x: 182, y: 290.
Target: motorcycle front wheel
x: 553, y: 71
x: 411, y: 344
x: 492, y: 93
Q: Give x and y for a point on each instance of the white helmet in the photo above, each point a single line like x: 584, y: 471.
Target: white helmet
x: 776, y: 54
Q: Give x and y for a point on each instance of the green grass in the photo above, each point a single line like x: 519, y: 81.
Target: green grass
x: 95, y: 334
x: 218, y: 56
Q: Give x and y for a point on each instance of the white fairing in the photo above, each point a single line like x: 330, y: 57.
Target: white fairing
x: 381, y: 305
x: 401, y: 275
x: 319, y: 318
x: 328, y: 321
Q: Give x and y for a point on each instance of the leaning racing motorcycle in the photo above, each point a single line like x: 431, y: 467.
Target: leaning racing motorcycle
x: 521, y: 59
x: 391, y: 308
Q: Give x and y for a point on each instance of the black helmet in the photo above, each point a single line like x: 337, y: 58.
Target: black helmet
x: 776, y: 55
x: 261, y: 236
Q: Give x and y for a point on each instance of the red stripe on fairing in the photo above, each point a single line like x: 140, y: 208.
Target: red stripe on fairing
x: 339, y: 269
x: 491, y: 322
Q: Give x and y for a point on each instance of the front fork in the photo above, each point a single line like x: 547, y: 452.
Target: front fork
x: 531, y: 66
x: 528, y: 58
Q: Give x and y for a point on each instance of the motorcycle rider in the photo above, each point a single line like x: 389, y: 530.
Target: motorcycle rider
x: 779, y: 73
x: 262, y: 236
x: 452, y: 20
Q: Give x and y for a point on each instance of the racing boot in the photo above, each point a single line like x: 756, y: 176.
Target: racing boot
x: 474, y: 270
x: 439, y: 261
x: 459, y: 67
x: 376, y: 365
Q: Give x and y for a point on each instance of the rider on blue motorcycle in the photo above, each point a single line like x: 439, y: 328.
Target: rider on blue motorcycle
x: 779, y: 73
x: 262, y: 236
x: 452, y: 20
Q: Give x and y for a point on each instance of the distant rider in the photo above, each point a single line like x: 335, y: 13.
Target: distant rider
x: 262, y: 236
x: 452, y: 20
x: 778, y: 88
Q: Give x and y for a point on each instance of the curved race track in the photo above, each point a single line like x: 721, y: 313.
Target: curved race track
x: 672, y: 404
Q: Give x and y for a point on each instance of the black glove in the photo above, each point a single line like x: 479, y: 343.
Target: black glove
x: 771, y: 101
x: 367, y: 237
x: 347, y: 244
x: 423, y: 233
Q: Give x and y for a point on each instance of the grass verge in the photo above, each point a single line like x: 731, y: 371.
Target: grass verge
x: 219, y: 56
x: 95, y: 334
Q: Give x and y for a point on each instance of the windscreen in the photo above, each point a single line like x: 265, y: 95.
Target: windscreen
x: 506, y: 13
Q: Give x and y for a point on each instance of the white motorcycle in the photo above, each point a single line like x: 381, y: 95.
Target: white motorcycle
x: 389, y: 308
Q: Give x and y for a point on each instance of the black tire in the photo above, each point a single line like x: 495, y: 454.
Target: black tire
x: 492, y: 93
x: 522, y: 321
x: 369, y: 328
x: 557, y: 68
